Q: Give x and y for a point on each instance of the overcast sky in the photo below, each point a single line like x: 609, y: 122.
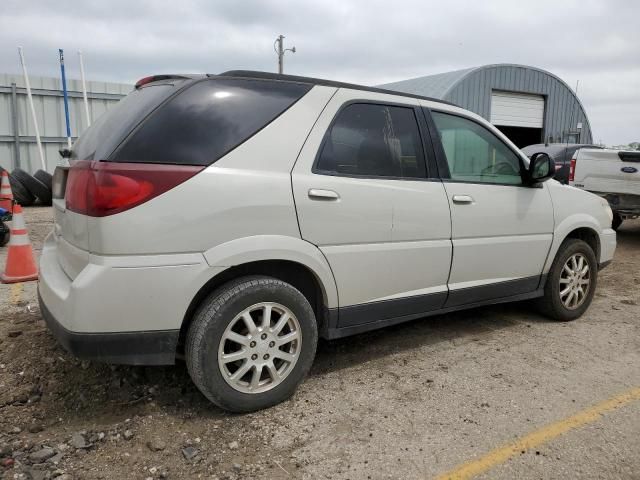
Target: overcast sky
x: 594, y: 41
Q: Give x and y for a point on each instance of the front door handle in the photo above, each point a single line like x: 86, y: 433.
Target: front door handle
x: 321, y: 194
x: 463, y: 199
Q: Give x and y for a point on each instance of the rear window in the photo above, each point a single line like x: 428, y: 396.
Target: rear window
x: 208, y: 119
x: 106, y: 133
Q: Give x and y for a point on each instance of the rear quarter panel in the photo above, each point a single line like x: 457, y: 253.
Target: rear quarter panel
x: 245, y: 193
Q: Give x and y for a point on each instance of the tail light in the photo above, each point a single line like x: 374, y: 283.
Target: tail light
x: 572, y: 169
x: 99, y: 189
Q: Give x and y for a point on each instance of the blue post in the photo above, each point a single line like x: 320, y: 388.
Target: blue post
x: 66, y: 98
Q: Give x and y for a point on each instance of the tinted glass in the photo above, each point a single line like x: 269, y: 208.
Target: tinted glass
x: 376, y: 140
x: 106, y: 133
x: 474, y: 154
x: 554, y: 151
x: 207, y: 120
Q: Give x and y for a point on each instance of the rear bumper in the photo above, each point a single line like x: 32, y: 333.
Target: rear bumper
x: 622, y: 203
x: 127, y: 348
x: 126, y: 309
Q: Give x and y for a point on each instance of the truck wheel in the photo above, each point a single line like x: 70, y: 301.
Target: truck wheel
x: 571, y: 282
x: 44, y: 177
x: 5, y: 234
x: 251, y: 343
x: 20, y: 193
x: 35, y: 186
x: 617, y: 221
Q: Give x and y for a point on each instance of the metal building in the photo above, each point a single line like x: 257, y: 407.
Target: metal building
x: 529, y: 105
x: 17, y: 135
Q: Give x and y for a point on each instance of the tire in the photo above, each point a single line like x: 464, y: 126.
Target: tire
x: 617, y: 221
x: 35, y: 186
x: 5, y: 234
x: 20, y: 192
x: 212, y: 322
x: 551, y: 304
x: 44, y: 177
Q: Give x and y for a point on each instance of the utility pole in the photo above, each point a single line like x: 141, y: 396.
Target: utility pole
x: 278, y: 46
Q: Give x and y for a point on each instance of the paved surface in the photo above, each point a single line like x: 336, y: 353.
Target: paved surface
x: 413, y: 401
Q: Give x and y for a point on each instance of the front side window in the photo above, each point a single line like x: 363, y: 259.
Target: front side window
x: 474, y: 154
x: 373, y: 140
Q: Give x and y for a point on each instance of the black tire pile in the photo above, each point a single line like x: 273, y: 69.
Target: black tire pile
x: 30, y: 189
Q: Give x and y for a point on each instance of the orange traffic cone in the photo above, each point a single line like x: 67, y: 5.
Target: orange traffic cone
x: 6, y: 195
x: 21, y: 265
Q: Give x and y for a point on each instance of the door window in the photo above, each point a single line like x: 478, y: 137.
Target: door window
x: 373, y: 140
x: 474, y: 154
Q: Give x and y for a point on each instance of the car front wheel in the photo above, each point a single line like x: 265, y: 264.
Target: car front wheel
x: 571, y: 282
x: 251, y: 343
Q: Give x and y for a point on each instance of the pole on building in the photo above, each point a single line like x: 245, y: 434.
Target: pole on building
x: 15, y: 125
x: 66, y: 97
x: 32, y: 107
x: 84, y: 89
x: 280, y: 50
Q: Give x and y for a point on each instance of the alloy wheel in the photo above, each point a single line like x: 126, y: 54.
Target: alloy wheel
x: 575, y: 281
x: 260, y: 347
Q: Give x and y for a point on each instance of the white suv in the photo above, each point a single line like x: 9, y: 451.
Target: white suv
x: 231, y: 220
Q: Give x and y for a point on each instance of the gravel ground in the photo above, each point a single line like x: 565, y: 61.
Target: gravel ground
x: 407, y: 402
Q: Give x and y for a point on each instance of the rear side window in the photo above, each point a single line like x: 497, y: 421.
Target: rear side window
x: 373, y: 140
x: 106, y: 133
x: 208, y: 119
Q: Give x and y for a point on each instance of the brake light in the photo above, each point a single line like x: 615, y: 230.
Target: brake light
x: 572, y: 169
x: 155, y: 78
x: 99, y: 189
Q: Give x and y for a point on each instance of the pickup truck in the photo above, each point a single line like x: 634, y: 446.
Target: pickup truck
x: 612, y: 174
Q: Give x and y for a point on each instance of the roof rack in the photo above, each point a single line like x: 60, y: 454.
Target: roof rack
x: 322, y: 82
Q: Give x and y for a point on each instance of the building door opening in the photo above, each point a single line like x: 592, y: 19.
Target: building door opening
x: 520, y: 116
x: 522, y: 136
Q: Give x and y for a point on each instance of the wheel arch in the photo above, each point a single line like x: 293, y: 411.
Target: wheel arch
x: 291, y: 260
x: 583, y: 228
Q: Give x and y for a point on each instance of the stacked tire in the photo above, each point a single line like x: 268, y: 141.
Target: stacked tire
x: 28, y: 189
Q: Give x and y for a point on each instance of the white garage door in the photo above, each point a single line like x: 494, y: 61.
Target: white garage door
x: 512, y: 109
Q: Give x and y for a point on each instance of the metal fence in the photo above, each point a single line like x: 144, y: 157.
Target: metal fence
x: 18, y: 146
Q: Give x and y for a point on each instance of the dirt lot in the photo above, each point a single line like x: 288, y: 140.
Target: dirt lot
x: 413, y: 401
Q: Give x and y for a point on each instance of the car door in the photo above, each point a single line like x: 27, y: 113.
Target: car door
x: 501, y: 227
x: 364, y: 197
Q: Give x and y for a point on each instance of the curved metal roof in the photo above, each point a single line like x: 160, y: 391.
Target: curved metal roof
x: 437, y: 85
x: 463, y: 87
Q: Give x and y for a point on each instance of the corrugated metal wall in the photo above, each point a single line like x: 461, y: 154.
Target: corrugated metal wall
x: 49, y: 106
x: 563, y: 111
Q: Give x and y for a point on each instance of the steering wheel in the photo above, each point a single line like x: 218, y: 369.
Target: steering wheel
x: 501, y: 168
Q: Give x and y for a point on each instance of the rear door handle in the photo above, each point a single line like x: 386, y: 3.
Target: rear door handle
x: 320, y: 194
x: 463, y: 199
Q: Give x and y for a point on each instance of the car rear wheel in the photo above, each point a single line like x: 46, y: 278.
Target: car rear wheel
x: 251, y: 343
x: 571, y: 282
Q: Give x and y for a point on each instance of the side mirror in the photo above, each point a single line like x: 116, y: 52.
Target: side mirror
x: 541, y: 168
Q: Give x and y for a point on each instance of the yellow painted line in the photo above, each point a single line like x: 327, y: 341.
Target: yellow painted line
x: 502, y: 454
x: 16, y: 293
